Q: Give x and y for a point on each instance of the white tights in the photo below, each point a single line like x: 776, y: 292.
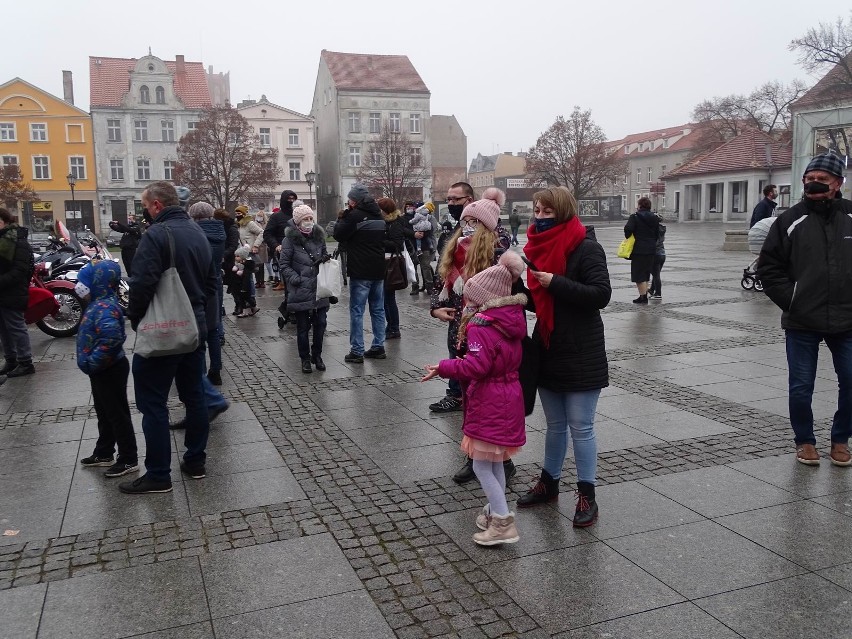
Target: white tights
x: 492, y: 478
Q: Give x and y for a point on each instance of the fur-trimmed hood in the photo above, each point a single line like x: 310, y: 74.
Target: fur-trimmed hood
x: 509, y: 300
x: 297, y: 237
x: 506, y: 314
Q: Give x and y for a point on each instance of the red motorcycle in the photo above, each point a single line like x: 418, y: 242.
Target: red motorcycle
x: 54, y: 306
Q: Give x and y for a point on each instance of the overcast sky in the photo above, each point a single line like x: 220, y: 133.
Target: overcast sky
x: 505, y: 70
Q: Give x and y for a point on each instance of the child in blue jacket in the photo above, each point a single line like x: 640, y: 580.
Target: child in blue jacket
x: 100, y: 355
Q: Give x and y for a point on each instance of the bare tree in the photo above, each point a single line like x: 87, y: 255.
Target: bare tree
x: 222, y: 161
x: 394, y: 167
x: 826, y: 47
x: 573, y: 152
x: 13, y: 187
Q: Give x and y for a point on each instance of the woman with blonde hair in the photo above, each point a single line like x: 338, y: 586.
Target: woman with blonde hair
x: 262, y: 253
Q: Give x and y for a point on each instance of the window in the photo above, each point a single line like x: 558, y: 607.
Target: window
x: 355, y: 122
x: 623, y: 202
x: 662, y: 169
x: 375, y: 123
x: 116, y: 169
x: 41, y: 167
x: 625, y: 178
x: 113, y: 130
x: 354, y: 156
x: 191, y: 126
x: 375, y: 156
x: 266, y: 167
x: 295, y: 171
x: 144, y: 94
x: 638, y: 176
x: 663, y: 202
x: 141, y: 128
x: 265, y: 137
x: 414, y: 123
x: 416, y: 156
x: 38, y: 133
x: 293, y: 138
x: 143, y: 169
x: 169, y: 169
x: 77, y: 164
x: 74, y: 133
x: 650, y: 175
x: 161, y: 95
x: 168, y: 129
x: 394, y: 122
x: 7, y: 132
x: 9, y: 160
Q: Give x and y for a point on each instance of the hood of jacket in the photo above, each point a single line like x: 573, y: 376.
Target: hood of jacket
x: 285, y: 205
x: 507, y: 313
x: 105, y: 276
x: 370, y: 207
x: 214, y: 230
x: 296, y: 236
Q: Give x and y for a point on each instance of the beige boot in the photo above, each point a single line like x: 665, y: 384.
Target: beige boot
x: 484, y: 517
x: 501, y: 530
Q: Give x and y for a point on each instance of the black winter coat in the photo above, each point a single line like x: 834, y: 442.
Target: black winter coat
x: 395, y: 235
x: 132, y: 234
x: 214, y: 231
x: 299, y: 265
x: 763, y: 210
x: 16, y: 268
x: 276, y: 225
x: 192, y: 258
x: 363, y: 230
x: 645, y: 227
x: 232, y: 243
x: 576, y: 359
x: 806, y: 266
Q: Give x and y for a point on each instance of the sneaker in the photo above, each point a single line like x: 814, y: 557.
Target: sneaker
x: 145, y: 485
x: 484, y: 517
x: 376, y: 352
x: 415, y: 290
x: 656, y: 296
x: 118, y: 470
x: 215, y: 378
x: 353, y: 358
x: 393, y: 335
x: 193, y: 471
x: 465, y: 473
x: 501, y: 530
x: 449, y: 404
x: 807, y: 454
x: 21, y: 369
x: 92, y: 460
x: 840, y: 455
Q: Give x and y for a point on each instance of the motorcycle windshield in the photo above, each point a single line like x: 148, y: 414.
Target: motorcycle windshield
x: 63, y: 231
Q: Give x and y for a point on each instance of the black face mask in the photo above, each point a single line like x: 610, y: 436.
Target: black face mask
x: 815, y: 188
x: 147, y: 216
x: 455, y: 210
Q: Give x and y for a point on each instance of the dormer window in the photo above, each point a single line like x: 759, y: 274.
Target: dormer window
x: 144, y: 95
x: 160, y: 95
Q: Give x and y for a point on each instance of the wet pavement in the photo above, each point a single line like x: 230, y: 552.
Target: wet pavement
x: 328, y: 510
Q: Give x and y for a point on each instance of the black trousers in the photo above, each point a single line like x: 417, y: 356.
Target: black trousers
x: 109, y: 392
x: 656, y: 283
x: 305, y: 320
x: 127, y: 259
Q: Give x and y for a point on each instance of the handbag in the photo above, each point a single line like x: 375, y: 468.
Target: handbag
x: 626, y: 247
x: 396, y: 277
x: 409, y: 267
x: 329, y: 279
x: 168, y: 326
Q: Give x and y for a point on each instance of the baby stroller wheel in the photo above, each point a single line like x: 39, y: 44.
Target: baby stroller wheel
x: 758, y: 285
x: 748, y: 283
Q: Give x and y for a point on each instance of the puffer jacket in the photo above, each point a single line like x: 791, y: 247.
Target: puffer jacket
x: 16, y: 267
x: 214, y: 230
x: 493, y: 399
x: 363, y: 230
x: 806, y: 266
x: 645, y: 227
x: 100, y: 339
x: 251, y: 233
x: 298, y: 264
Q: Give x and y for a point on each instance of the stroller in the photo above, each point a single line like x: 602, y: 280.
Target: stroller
x: 756, y: 236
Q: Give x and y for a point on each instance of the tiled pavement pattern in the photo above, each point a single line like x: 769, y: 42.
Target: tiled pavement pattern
x: 328, y: 511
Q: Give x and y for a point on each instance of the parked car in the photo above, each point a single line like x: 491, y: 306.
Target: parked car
x: 113, y: 238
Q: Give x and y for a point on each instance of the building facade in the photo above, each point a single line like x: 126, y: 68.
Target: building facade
x: 49, y: 139
x: 140, y: 110
x: 355, y: 97
x: 292, y: 134
x: 486, y: 170
x: 449, y: 154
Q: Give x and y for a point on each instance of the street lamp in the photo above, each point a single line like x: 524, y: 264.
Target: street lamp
x: 310, y: 177
x: 72, y: 182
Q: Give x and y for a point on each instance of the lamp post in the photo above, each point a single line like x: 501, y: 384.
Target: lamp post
x: 310, y: 177
x: 72, y: 182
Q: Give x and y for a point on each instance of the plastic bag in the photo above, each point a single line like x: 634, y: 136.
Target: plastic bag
x: 329, y: 279
x: 625, y: 249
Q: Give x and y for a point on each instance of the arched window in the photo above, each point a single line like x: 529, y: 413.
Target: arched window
x: 161, y: 95
x: 145, y: 94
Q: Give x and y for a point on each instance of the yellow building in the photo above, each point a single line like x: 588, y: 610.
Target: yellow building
x: 50, y: 140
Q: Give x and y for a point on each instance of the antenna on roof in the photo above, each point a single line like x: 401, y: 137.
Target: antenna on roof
x: 149, y: 50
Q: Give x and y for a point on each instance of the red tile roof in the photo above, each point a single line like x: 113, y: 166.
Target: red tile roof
x: 684, y: 143
x: 833, y: 88
x: 368, y: 72
x: 744, y: 152
x: 109, y: 81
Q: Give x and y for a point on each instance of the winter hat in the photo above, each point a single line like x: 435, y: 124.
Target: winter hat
x: 243, y: 252
x: 828, y: 162
x: 426, y: 209
x: 486, y: 210
x: 242, y: 208
x: 495, y: 281
x: 201, y: 211
x: 301, y: 212
x: 359, y: 193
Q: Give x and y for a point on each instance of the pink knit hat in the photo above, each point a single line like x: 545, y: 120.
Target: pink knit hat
x: 301, y: 212
x: 495, y: 281
x: 487, y: 209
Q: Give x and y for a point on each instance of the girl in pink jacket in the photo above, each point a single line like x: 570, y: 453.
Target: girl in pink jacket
x: 493, y: 326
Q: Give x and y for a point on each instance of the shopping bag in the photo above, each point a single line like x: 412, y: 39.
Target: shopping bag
x: 329, y: 279
x: 168, y: 326
x: 396, y: 277
x: 409, y: 267
x: 626, y: 247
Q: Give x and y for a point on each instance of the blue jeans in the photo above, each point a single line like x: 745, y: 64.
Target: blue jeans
x: 152, y: 381
x: 574, y: 412
x: 802, y: 355
x: 391, y: 312
x: 362, y: 292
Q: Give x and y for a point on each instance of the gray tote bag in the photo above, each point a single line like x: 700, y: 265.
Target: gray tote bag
x: 169, y: 326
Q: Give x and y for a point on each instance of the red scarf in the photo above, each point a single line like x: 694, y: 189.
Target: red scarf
x: 457, y: 267
x: 550, y: 251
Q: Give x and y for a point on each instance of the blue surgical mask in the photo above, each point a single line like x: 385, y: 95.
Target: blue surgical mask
x: 544, y: 224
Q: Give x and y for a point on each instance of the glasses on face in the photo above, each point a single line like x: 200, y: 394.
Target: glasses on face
x: 453, y: 200
x: 470, y: 222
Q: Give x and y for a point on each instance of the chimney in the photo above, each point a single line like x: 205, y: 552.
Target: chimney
x: 67, y: 87
x: 179, y: 64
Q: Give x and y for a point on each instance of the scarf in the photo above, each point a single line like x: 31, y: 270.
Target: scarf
x: 9, y: 242
x: 550, y: 252
x: 455, y: 274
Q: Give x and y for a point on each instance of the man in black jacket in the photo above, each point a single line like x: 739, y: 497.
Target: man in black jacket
x: 132, y: 233
x: 153, y: 376
x: 806, y: 269
x: 766, y: 206
x: 16, y: 269
x: 276, y: 227
x: 363, y: 229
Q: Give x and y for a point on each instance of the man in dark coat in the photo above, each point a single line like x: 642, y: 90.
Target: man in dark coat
x: 276, y: 227
x: 806, y: 269
x: 766, y: 206
x: 16, y: 270
x: 131, y: 234
x: 153, y: 376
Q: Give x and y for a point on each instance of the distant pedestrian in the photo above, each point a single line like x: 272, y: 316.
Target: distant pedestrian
x: 394, y: 245
x: 276, y: 226
x: 645, y: 227
x: 514, y: 225
x: 766, y: 207
x: 656, y: 290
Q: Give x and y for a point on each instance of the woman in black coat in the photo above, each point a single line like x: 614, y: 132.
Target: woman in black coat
x: 16, y: 270
x: 394, y: 244
x: 232, y: 243
x: 644, y: 226
x: 302, y: 250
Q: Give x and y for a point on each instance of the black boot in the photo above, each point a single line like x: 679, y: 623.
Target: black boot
x: 509, y: 470
x: 306, y: 366
x: 547, y: 489
x: 24, y: 367
x: 587, y: 509
x: 317, y: 360
x: 465, y: 473
x: 414, y: 289
x: 10, y: 364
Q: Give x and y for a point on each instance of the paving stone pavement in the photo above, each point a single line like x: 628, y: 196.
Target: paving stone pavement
x: 328, y: 510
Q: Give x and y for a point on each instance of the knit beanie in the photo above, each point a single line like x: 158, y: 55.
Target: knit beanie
x: 828, y: 162
x: 486, y: 210
x: 243, y: 252
x: 359, y: 193
x: 241, y: 209
x: 428, y: 207
x: 200, y: 211
x: 300, y: 213
x: 494, y: 282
